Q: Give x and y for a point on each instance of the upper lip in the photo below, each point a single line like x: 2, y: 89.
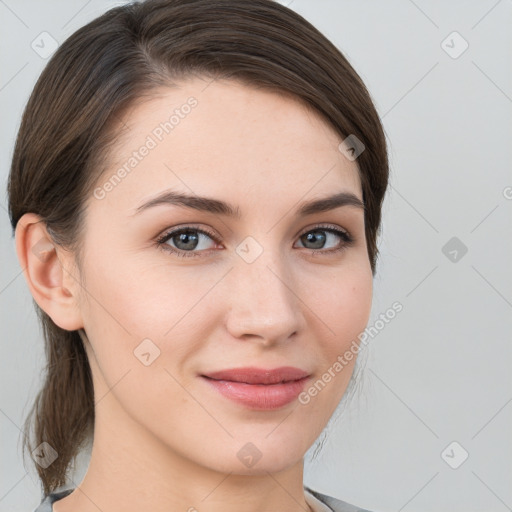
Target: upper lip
x: 252, y: 375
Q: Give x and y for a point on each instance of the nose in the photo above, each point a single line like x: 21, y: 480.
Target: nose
x: 264, y: 306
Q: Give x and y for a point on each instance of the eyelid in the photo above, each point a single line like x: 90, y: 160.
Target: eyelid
x: 326, y: 226
x: 186, y: 227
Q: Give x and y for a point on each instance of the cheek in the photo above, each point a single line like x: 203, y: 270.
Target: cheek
x: 126, y: 322
x: 344, y: 303
x: 135, y: 298
x: 139, y: 312
x: 343, y: 309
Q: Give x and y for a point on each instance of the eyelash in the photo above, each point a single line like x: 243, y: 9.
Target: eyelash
x: 348, y: 240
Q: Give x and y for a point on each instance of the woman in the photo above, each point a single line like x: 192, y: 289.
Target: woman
x: 196, y: 194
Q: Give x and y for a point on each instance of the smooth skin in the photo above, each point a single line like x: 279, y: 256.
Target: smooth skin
x: 164, y: 440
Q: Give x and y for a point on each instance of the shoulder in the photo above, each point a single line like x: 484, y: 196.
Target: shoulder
x: 335, y: 504
x: 49, y: 499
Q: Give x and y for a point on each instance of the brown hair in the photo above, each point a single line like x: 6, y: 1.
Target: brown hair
x: 98, y: 73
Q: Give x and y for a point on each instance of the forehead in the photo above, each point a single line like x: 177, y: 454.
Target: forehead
x: 224, y: 138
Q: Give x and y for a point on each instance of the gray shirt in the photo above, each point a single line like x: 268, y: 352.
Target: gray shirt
x: 318, y: 501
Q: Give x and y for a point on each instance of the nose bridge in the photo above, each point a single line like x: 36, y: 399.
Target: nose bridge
x: 263, y: 303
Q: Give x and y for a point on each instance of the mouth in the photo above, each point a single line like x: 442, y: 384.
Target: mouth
x: 259, y: 389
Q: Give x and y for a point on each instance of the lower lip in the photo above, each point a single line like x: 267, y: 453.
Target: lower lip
x: 259, y: 396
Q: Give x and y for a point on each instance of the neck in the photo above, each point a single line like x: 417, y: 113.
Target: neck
x: 131, y: 470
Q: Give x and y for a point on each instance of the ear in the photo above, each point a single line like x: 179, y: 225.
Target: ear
x: 49, y: 271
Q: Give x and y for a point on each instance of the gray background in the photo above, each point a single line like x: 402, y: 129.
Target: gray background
x: 439, y: 372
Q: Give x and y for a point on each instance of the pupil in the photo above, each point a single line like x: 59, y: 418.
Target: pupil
x: 317, y: 240
x: 186, y: 238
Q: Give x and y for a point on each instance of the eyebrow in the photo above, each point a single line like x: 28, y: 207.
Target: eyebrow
x: 210, y: 205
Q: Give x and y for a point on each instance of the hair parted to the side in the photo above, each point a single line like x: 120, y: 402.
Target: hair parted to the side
x: 68, y: 126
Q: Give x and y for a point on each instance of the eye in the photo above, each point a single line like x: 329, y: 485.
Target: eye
x: 321, y: 235
x: 187, y: 239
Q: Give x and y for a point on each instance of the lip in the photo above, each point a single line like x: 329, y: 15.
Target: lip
x: 259, y: 388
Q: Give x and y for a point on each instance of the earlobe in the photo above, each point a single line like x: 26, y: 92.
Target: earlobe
x: 48, y: 271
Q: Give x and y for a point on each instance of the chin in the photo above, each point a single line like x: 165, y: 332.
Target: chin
x: 258, y: 454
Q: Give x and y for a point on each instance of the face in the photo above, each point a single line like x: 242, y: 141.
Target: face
x: 176, y: 293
